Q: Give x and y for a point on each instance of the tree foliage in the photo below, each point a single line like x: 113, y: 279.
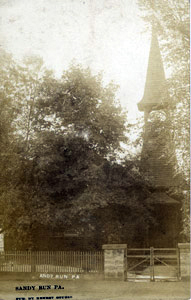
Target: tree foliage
x: 80, y: 188
x: 16, y: 190
x: 78, y: 128
x: 59, y: 140
x: 79, y: 104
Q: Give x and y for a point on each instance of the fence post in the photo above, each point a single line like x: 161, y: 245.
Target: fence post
x: 178, y: 263
x: 184, y: 249
x: 33, y: 266
x: 115, y: 261
x: 152, y: 276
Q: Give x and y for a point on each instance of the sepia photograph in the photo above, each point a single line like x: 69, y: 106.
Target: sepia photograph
x: 95, y: 149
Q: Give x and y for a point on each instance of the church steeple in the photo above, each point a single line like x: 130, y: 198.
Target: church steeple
x: 155, y: 163
x: 155, y: 93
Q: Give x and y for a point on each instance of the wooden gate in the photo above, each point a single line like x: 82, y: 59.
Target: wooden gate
x: 154, y: 264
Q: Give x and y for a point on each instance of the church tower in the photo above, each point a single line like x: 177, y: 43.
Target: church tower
x: 157, y: 162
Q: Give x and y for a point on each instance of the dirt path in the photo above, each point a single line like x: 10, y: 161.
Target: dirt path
x: 97, y: 290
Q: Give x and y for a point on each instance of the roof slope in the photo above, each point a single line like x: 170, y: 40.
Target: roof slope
x: 155, y: 93
x: 161, y: 198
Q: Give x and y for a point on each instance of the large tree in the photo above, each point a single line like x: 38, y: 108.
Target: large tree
x: 9, y: 156
x: 79, y: 126
x: 19, y: 85
x: 67, y: 176
x: 59, y: 144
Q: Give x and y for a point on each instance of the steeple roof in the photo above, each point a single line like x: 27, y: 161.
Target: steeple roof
x: 161, y: 198
x: 155, y: 93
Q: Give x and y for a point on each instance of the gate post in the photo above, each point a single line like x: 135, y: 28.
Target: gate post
x: 152, y: 261
x: 184, y: 250
x: 115, y: 261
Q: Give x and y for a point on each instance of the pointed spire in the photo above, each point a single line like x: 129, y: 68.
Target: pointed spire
x: 155, y: 93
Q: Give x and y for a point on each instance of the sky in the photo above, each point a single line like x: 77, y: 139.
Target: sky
x: 106, y: 35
